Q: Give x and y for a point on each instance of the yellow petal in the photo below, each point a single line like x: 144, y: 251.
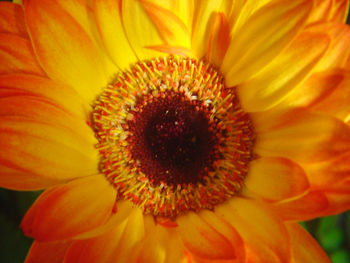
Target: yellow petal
x: 250, y: 49
x: 109, y: 21
x: 285, y: 73
x: 140, y: 31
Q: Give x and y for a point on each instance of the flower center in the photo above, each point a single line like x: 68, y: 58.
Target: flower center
x: 172, y: 137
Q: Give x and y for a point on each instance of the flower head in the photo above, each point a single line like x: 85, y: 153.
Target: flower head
x: 175, y: 131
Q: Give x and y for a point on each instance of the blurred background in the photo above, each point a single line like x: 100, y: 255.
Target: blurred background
x: 333, y: 232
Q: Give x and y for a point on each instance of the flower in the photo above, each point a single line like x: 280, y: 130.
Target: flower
x: 175, y: 131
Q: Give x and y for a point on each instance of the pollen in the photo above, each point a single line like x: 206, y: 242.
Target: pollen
x: 171, y: 137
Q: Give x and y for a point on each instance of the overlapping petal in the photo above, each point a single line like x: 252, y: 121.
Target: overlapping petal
x: 87, y: 202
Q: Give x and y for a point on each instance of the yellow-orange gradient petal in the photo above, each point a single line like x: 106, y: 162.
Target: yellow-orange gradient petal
x: 118, y: 243
x: 304, y: 247
x: 12, y: 19
x: 58, y: 93
x: 51, y: 252
x: 161, y: 245
x: 203, y: 240
x: 68, y: 210
x: 303, y: 131
x: 263, y: 233
x: 65, y: 50
x: 250, y: 50
x: 204, y: 16
x: 318, y: 87
x: 285, y: 73
x: 17, y: 56
x: 170, y: 27
x: 42, y: 144
x: 276, y: 178
x: 218, y: 40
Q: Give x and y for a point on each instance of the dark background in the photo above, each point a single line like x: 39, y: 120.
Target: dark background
x: 333, y: 233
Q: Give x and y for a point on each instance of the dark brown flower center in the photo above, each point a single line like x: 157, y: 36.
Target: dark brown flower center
x: 173, y: 139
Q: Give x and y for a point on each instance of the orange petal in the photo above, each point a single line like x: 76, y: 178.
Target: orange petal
x: 304, y: 247
x: 338, y: 195
x: 306, y: 207
x: 52, y: 252
x: 219, y: 39
x: 64, y: 49
x: 109, y: 22
x: 202, y: 239
x: 119, y: 243
x: 204, y: 17
x: 250, y: 50
x: 285, y: 73
x: 339, y: 49
x: 30, y: 85
x: 276, y: 178
x: 70, y: 209
x: 12, y: 19
x: 140, y: 30
x: 42, y: 144
x: 170, y: 27
x: 339, y: 11
x: 321, y: 11
x: 17, y: 56
x: 305, y: 137
x: 262, y: 231
x: 326, y: 174
x: 225, y: 229
x: 337, y: 102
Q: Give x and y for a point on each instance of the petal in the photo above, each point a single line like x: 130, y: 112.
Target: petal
x: 340, y: 10
x: 276, y: 178
x: 264, y: 234
x: 17, y: 56
x: 315, y: 89
x: 70, y: 209
x: 305, y: 137
x: 52, y: 252
x: 118, y: 243
x: 140, y: 30
x: 285, y: 73
x: 250, y: 50
x: 219, y: 39
x: 47, y: 148
x: 321, y: 11
x: 202, y: 239
x: 304, y: 247
x: 204, y: 16
x: 23, y: 84
x: 170, y: 27
x: 331, y: 171
x: 306, y: 207
x: 64, y: 49
x: 161, y: 245
x: 339, y: 49
x: 339, y: 198
x: 12, y: 19
x: 337, y: 102
x: 109, y: 22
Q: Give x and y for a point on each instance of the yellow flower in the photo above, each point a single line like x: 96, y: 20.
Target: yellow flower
x: 175, y: 131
